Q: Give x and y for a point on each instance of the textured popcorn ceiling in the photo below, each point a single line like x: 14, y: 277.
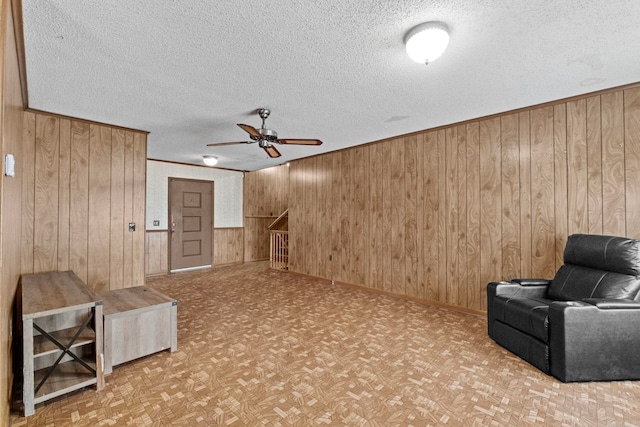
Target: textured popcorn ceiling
x: 335, y: 70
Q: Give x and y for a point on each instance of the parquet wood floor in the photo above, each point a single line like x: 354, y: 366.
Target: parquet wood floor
x: 261, y: 347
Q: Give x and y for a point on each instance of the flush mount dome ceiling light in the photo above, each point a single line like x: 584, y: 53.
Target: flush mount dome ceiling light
x: 426, y: 42
x: 210, y: 160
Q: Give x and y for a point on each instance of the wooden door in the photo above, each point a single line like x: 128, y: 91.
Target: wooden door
x: 190, y: 224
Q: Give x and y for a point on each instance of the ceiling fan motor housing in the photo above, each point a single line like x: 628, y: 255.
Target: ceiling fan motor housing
x: 268, y: 134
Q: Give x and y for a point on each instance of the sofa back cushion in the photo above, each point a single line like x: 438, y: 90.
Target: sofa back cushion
x: 598, y: 267
x: 574, y: 283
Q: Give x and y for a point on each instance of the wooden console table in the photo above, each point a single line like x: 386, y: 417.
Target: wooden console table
x: 62, y: 337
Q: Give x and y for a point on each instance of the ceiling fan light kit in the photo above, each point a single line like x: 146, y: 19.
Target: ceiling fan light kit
x: 267, y: 137
x: 426, y: 42
x: 210, y: 160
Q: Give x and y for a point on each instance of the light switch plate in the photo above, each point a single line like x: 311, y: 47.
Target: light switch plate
x: 9, y: 165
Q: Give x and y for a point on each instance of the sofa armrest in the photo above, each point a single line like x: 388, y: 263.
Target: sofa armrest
x: 516, y: 289
x: 587, y: 343
x: 511, y: 289
x: 612, y: 304
x: 531, y: 282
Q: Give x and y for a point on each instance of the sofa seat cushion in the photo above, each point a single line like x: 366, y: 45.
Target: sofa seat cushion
x: 528, y: 315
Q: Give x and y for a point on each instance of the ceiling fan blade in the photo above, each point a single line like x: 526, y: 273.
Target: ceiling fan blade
x: 300, y: 141
x: 250, y: 130
x: 272, y: 151
x: 220, y: 144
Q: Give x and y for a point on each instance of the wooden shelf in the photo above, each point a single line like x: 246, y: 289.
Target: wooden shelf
x: 66, y: 377
x: 42, y: 346
x: 64, y: 303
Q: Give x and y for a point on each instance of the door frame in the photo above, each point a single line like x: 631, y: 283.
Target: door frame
x: 169, y: 224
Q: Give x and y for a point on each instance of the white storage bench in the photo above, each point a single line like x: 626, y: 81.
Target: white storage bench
x: 138, y: 321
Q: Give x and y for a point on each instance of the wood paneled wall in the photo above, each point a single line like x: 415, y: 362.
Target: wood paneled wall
x: 83, y: 183
x: 227, y: 249
x: 266, y: 195
x: 156, y: 252
x: 228, y: 245
x: 436, y: 215
x: 11, y: 187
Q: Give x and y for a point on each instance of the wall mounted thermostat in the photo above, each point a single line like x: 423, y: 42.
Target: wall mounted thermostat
x: 9, y: 165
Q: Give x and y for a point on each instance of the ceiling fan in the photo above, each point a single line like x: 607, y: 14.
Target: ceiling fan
x: 267, y: 137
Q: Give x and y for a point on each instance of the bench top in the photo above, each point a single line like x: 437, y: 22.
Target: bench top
x: 139, y: 298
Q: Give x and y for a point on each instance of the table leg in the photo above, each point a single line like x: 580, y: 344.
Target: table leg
x: 28, y: 397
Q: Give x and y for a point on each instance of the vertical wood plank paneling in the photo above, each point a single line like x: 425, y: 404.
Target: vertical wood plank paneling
x: 560, y: 180
x: 594, y: 165
x: 451, y: 206
x: 358, y: 197
x: 295, y: 220
x: 117, y: 229
x: 247, y: 186
x: 45, y: 236
x: 265, y: 197
x: 227, y: 246
x: 377, y: 218
x: 430, y: 231
x: 334, y: 211
x: 442, y: 215
x: 542, y: 193
x: 238, y: 246
x: 410, y: 218
x: 490, y: 203
x: 366, y: 216
x: 28, y: 190
x: 524, y: 129
x: 475, y: 284
x: 577, y: 167
x: 323, y: 246
x: 345, y: 216
x: 510, y: 183
x: 295, y: 217
x: 154, y: 251
x: 79, y: 199
x: 445, y: 211
x: 420, y: 217
x: 127, y: 238
x: 613, y: 193
x: 74, y: 199
x: 64, y: 175
x: 387, y: 202
x: 139, y: 201
x: 310, y: 217
x: 398, y: 267
x: 463, y: 287
x: 632, y: 160
x: 297, y: 251
x: 99, y: 207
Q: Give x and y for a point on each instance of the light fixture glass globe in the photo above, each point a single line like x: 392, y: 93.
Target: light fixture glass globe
x: 426, y: 42
x: 210, y: 160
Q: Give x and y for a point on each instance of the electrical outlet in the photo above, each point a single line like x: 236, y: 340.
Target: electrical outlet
x: 132, y: 227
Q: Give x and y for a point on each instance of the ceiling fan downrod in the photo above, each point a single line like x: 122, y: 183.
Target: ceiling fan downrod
x: 264, y: 114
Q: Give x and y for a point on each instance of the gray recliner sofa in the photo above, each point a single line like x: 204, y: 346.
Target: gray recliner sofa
x: 584, y: 325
